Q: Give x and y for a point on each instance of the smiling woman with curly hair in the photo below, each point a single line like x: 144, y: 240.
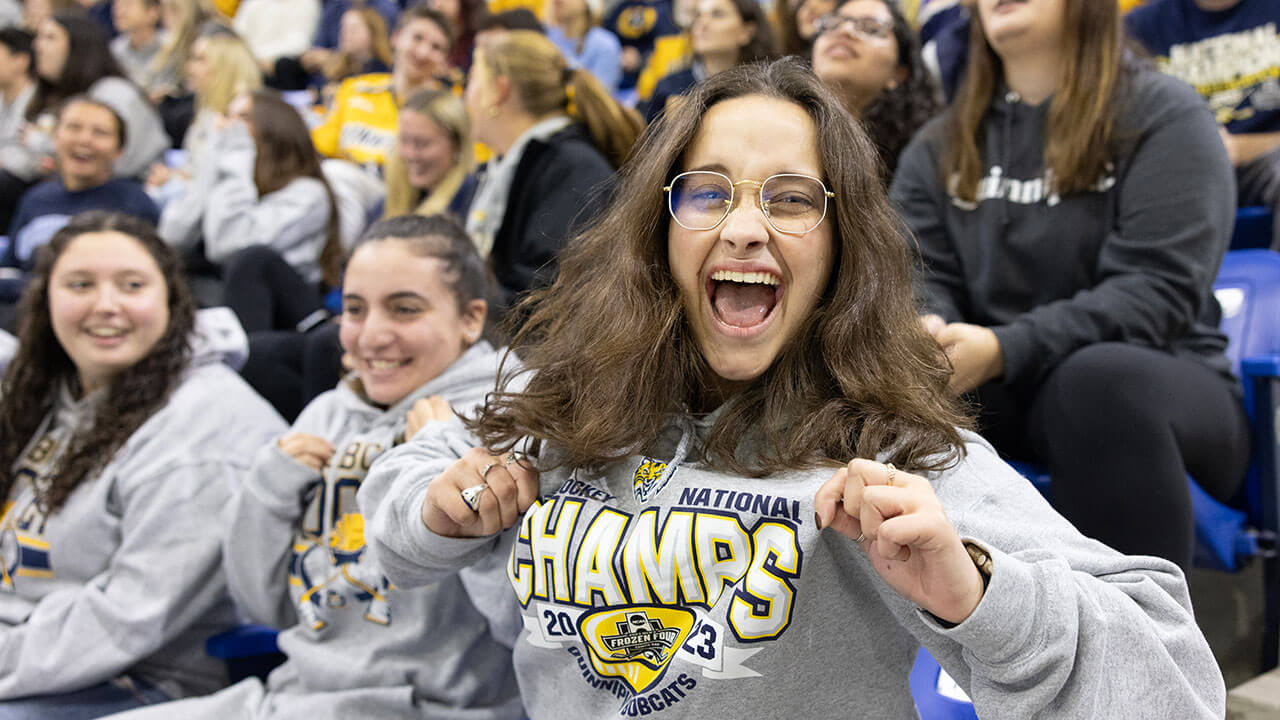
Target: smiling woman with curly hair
x: 115, y: 464
x: 870, y: 57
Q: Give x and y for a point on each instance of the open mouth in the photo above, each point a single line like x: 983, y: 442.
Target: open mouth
x: 744, y: 300
x: 81, y: 157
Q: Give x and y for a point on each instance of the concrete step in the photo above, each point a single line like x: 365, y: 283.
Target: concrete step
x: 1257, y: 699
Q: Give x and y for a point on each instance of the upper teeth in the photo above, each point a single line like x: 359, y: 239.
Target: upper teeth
x: 383, y: 364
x: 105, y: 332
x: 760, y: 278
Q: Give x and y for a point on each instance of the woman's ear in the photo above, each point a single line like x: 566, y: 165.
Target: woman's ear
x: 501, y: 89
x: 473, y: 317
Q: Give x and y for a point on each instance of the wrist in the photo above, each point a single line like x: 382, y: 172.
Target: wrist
x: 995, y: 363
x: 977, y: 582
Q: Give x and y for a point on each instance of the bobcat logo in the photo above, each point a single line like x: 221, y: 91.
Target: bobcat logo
x: 648, y: 479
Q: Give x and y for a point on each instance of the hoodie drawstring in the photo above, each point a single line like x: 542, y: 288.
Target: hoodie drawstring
x: 1012, y: 98
x: 682, y: 451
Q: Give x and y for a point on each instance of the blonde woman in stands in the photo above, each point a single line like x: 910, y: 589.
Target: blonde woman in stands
x: 363, y: 46
x: 557, y: 134
x: 181, y: 21
x: 219, y: 68
x: 432, y: 157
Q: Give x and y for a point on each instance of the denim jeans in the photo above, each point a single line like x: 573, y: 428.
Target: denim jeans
x: 100, y: 700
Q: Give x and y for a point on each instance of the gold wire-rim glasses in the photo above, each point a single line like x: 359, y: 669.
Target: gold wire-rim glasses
x: 764, y: 205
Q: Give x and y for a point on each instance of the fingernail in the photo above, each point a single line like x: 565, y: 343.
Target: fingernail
x: 818, y: 519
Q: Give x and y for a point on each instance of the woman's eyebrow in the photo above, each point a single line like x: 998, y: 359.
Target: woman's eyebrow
x: 405, y: 295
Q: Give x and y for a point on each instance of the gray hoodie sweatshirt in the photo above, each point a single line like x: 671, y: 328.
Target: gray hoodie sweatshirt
x: 664, y: 586
x: 125, y: 577
x: 222, y: 206
x: 356, y: 646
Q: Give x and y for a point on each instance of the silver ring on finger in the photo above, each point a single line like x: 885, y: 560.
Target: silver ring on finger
x: 861, y: 538
x: 892, y: 471
x: 471, y: 496
x: 484, y: 471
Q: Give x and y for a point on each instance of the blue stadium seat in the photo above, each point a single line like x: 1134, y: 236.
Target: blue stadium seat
x: 1253, y: 229
x: 1230, y: 535
x: 248, y: 651
x: 937, y: 696
x: 1227, y: 536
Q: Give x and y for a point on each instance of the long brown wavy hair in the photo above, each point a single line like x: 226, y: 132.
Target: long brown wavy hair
x: 285, y: 153
x: 41, y: 365
x: 1081, y: 116
x: 611, y: 358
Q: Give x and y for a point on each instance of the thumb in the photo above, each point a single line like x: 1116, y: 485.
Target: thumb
x: 950, y: 334
x: 932, y: 323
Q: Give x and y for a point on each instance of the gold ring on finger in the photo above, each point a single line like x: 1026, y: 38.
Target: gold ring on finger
x: 892, y: 471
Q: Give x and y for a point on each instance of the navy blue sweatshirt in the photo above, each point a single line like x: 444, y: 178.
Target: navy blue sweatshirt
x: 1133, y: 259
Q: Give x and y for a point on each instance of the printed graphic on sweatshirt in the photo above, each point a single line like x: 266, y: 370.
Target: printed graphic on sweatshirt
x: 24, y: 551
x: 645, y: 601
x: 1239, y: 73
x: 997, y: 186
x: 325, y: 568
x: 636, y: 22
x: 649, y: 479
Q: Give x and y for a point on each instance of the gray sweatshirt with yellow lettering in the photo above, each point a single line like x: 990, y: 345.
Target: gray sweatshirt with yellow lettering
x: 357, y: 647
x: 125, y: 577
x: 663, y: 586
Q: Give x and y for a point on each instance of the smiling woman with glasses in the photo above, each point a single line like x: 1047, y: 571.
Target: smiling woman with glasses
x: 737, y: 453
x: 870, y: 57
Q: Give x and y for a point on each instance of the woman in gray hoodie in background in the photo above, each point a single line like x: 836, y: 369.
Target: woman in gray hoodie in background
x: 264, y: 212
x: 117, y: 466
x: 414, y: 311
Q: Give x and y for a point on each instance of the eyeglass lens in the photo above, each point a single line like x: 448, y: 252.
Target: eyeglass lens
x: 793, y: 204
x: 865, y: 26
